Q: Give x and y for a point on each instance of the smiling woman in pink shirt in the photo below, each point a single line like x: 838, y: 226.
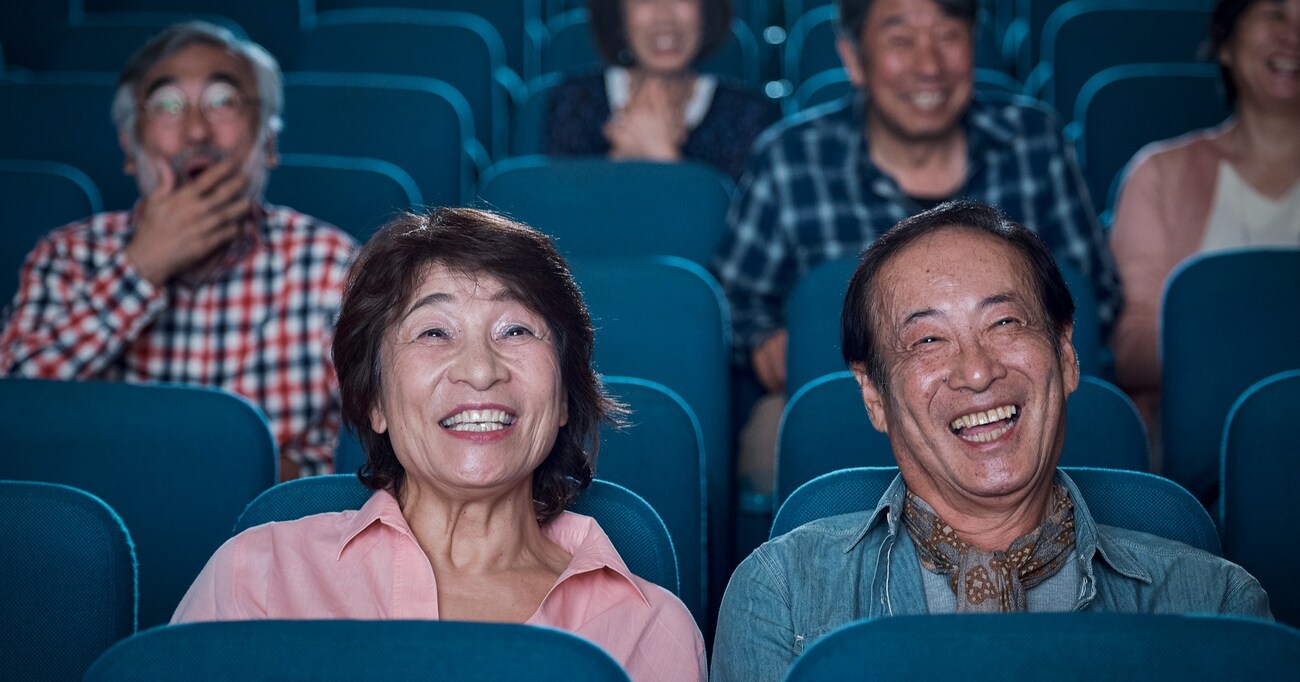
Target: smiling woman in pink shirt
x: 463, y: 351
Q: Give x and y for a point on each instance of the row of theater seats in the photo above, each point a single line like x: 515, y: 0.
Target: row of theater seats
x: 202, y: 464
x: 663, y: 318
x: 1135, y: 88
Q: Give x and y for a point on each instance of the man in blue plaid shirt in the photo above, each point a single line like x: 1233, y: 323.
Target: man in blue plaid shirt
x: 823, y: 185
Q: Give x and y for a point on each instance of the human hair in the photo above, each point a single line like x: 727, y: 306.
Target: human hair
x: 610, y: 29
x: 1223, y: 23
x: 177, y: 37
x: 473, y: 242
x: 853, y: 14
x: 859, y: 323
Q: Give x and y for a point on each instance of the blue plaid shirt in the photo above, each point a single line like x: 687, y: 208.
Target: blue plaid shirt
x: 812, y: 194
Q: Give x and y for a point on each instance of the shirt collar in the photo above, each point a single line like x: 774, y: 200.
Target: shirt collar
x: 580, y: 536
x: 1090, y: 540
x: 382, y: 508
x: 583, y: 538
x: 888, y: 510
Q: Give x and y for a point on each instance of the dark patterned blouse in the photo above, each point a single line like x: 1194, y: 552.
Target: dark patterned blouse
x: 579, y: 107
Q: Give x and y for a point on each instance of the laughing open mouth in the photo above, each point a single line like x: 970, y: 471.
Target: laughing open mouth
x: 478, y: 420
x: 986, y: 425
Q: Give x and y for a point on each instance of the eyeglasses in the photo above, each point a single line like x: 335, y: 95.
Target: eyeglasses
x: 219, y: 103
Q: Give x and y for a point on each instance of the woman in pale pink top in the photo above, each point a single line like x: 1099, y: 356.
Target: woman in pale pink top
x: 1235, y: 185
x: 463, y: 351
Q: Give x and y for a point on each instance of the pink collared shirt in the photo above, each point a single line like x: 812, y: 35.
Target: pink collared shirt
x: 366, y: 564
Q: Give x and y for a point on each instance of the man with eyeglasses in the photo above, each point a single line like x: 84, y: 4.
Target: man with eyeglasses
x: 201, y: 283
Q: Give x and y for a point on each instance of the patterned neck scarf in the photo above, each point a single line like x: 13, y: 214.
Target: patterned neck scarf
x: 992, y: 581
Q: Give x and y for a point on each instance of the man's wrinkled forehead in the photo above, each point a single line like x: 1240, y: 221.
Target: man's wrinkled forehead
x: 911, y: 269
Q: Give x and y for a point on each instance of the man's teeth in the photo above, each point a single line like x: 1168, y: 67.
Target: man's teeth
x: 982, y: 418
x: 478, y: 420
x: 1289, y: 64
x: 986, y: 436
x: 928, y: 100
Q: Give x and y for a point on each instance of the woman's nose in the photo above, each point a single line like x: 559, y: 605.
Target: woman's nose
x: 479, y: 365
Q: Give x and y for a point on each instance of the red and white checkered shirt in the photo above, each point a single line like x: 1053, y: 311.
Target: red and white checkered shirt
x: 260, y: 324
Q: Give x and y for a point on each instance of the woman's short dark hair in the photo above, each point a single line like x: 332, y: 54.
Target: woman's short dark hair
x: 610, y: 29
x: 853, y: 14
x: 380, y: 285
x: 1223, y: 23
x: 858, y: 320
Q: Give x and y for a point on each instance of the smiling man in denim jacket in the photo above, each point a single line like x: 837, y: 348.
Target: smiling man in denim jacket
x: 958, y: 327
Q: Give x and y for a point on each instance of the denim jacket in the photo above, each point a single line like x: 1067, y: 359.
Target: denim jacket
x: 797, y: 587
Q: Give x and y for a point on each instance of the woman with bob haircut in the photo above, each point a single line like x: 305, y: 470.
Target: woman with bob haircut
x: 1235, y: 185
x: 463, y: 350
x: 649, y: 103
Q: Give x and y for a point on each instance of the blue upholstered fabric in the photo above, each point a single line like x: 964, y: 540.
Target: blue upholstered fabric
x: 178, y: 463
x: 355, y: 651
x: 68, y: 581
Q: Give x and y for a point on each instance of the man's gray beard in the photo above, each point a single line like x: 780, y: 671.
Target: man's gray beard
x: 147, y: 178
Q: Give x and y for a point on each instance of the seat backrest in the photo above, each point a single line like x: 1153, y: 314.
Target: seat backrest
x: 1227, y: 320
x: 1024, y: 645
x: 418, y: 124
x: 273, y: 24
x: 596, y: 207
x: 458, y: 48
x: 1259, y: 502
x: 1124, y: 499
x: 628, y: 297
x: 812, y: 316
x: 825, y: 427
x: 36, y: 197
x: 519, y: 22
x: 355, y: 194
x: 638, y: 533
x: 1083, y: 37
x: 337, y: 650
x: 76, y: 106
x: 105, y: 41
x: 1131, y: 106
x: 659, y: 456
x: 27, y: 29
x: 178, y: 463
x: 530, y: 115
x: 571, y: 49
x: 68, y: 580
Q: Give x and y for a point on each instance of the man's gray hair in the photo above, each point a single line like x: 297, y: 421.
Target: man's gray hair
x: 173, y: 39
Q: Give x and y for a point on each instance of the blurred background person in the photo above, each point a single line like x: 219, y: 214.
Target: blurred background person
x: 1230, y: 186
x: 464, y: 357
x: 649, y: 103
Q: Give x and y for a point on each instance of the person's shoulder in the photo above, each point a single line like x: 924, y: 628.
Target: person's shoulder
x: 830, y: 120
x: 1187, y: 151
x: 588, y: 83
x: 823, y: 538
x: 1163, y: 556
x: 299, y: 228
x: 1016, y: 114
x: 92, y: 227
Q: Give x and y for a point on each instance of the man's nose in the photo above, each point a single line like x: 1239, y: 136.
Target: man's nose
x: 929, y: 61
x: 975, y: 367
x: 196, y: 123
